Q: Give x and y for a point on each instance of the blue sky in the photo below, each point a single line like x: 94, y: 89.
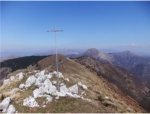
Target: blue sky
x: 85, y: 24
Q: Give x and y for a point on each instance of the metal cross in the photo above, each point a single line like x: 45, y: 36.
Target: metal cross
x: 55, y: 30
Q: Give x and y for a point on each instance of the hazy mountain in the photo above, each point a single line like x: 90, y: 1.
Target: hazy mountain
x: 134, y: 63
x: 95, y: 93
x: 98, y: 55
x: 63, y: 52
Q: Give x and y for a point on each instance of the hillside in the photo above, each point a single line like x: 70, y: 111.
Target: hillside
x: 136, y: 64
x: 124, y: 80
x: 8, y: 58
x: 11, y: 65
x: 80, y: 89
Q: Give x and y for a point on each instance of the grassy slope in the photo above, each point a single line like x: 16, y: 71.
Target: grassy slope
x: 76, y: 73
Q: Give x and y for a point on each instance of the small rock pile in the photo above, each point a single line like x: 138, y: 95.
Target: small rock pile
x: 46, y: 88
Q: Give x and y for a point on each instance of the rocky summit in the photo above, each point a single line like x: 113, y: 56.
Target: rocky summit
x: 43, y: 86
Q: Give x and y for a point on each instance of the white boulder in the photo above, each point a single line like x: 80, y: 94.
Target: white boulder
x: 63, y: 89
x: 6, y: 81
x: 79, y: 83
x: 73, y: 95
x: 76, y: 96
x: 47, y: 83
x: 15, y: 90
x: 4, y: 104
x: 60, y: 94
x: 73, y: 89
x: 21, y: 86
x: 88, y: 100
x: 68, y: 92
x: 35, y: 70
x: 54, y: 82
x: 62, y: 84
x: 31, y: 80
x: 83, y: 93
x: 39, y: 92
x: 49, y: 99
x: 36, y: 93
x: 54, y: 72
x: 40, y: 73
x: 51, y: 90
x: 44, y: 106
x: 12, y: 78
x: 82, y: 85
x: 66, y: 79
x: 20, y: 75
x: 37, y: 75
x: 106, y: 97
x: 59, y: 74
x: 40, y: 80
x: 49, y: 76
x: 30, y: 102
x: 11, y: 109
x: 57, y: 97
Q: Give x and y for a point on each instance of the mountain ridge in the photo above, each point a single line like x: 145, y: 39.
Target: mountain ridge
x: 124, y: 80
x: 104, y: 95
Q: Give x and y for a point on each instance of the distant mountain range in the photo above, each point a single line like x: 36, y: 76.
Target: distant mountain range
x: 63, y: 52
x: 77, y: 52
x: 136, y: 64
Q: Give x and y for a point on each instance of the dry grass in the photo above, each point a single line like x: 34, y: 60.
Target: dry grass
x: 63, y: 105
x: 97, y: 84
x: 18, y: 96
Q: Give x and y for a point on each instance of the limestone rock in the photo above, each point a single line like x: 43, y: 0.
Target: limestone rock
x: 20, y: 75
x: 49, y: 99
x: 74, y: 89
x: 21, y: 86
x: 6, y: 81
x: 12, y: 78
x: 31, y: 80
x: 40, y: 80
x: 4, y: 104
x: 82, y: 85
x: 66, y: 79
x: 59, y: 74
x: 30, y: 102
x: 11, y: 109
